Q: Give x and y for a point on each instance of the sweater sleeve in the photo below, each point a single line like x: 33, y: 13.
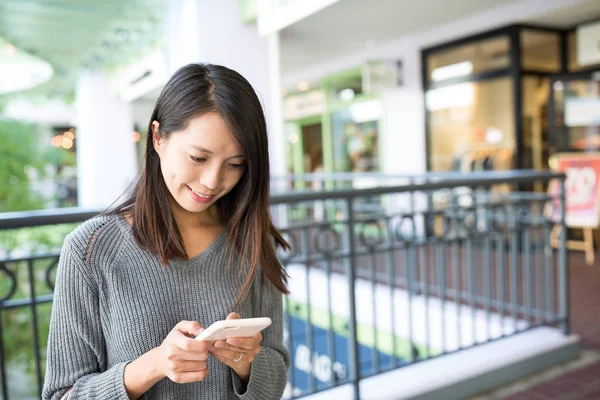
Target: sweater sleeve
x: 76, y: 354
x: 268, y: 373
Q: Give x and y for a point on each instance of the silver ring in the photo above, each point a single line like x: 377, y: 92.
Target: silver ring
x: 239, y: 358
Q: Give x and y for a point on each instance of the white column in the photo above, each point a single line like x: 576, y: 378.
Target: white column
x: 225, y: 40
x: 274, y: 115
x: 182, y: 34
x: 211, y: 31
x: 106, y: 162
x: 402, y: 137
x: 275, y: 111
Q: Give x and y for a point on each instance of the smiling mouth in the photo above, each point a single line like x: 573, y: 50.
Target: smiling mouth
x: 201, y: 195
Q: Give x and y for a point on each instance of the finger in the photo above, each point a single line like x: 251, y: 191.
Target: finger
x: 223, y: 359
x: 189, y: 328
x: 195, y: 349
x: 247, y: 343
x: 236, y: 344
x: 233, y: 356
x: 241, y: 344
x: 225, y: 346
x: 233, y: 316
x: 243, y: 347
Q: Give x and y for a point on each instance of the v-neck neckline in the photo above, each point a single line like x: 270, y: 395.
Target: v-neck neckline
x: 213, y: 247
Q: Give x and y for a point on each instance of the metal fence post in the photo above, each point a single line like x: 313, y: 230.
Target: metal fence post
x: 2, y: 361
x: 563, y: 273
x: 352, y: 333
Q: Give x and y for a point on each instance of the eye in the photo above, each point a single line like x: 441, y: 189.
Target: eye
x: 237, y: 166
x: 197, y: 159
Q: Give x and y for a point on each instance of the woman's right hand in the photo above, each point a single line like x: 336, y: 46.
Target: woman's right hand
x: 181, y: 358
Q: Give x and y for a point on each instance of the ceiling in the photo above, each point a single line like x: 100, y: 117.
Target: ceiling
x: 77, y: 34
x: 349, y: 26
x: 81, y: 34
x: 19, y: 70
x: 588, y: 10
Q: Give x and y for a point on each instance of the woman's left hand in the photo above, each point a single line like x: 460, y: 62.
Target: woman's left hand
x: 238, y: 353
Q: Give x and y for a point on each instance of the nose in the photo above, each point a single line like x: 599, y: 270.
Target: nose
x: 211, y: 176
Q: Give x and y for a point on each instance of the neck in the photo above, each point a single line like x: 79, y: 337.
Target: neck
x: 187, y: 221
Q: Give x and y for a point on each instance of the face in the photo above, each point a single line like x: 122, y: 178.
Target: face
x: 201, y: 163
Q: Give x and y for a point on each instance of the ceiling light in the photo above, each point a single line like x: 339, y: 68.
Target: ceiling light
x: 346, y: 94
x: 293, y: 138
x: 452, y: 71
x: 20, y: 70
x: 366, y: 111
x: 493, y: 135
x: 123, y: 35
x: 57, y: 140
x: 303, y: 86
x: 558, y: 86
x: 454, y: 96
x: 67, y: 143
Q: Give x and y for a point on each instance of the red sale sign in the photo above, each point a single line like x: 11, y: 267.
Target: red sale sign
x: 582, y: 187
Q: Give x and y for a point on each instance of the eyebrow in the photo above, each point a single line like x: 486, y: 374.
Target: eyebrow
x: 202, y: 149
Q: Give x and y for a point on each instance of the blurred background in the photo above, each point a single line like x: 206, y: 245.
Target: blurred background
x: 348, y: 86
x: 357, y: 94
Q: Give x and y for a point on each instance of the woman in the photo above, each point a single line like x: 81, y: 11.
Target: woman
x: 192, y: 243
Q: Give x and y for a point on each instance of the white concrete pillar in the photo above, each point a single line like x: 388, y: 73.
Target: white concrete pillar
x: 182, y: 33
x: 275, y: 112
x: 106, y: 161
x: 211, y: 31
x: 225, y: 40
x: 402, y: 136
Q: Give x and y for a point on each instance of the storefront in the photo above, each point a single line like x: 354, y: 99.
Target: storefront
x: 487, y: 98
x: 333, y: 127
x: 575, y: 94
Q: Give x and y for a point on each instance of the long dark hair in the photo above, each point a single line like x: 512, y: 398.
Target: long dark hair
x: 194, y: 90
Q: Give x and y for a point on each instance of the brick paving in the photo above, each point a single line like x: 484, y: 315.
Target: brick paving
x: 581, y: 383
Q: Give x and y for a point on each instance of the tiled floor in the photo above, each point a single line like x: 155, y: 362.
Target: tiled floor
x: 583, y: 384
x: 581, y: 378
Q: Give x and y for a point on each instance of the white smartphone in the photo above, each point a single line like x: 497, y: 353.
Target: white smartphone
x: 230, y: 328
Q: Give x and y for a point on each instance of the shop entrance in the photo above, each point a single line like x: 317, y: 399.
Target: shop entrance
x: 575, y: 112
x: 312, y: 147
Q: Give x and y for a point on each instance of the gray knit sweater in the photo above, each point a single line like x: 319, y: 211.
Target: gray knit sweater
x: 114, y: 302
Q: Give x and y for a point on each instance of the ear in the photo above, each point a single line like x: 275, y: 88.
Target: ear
x: 156, y: 139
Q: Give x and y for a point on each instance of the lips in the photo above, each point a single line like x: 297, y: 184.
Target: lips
x: 199, y: 197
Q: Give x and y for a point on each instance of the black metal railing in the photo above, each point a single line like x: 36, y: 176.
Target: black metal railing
x: 381, y: 277
x: 413, y: 268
